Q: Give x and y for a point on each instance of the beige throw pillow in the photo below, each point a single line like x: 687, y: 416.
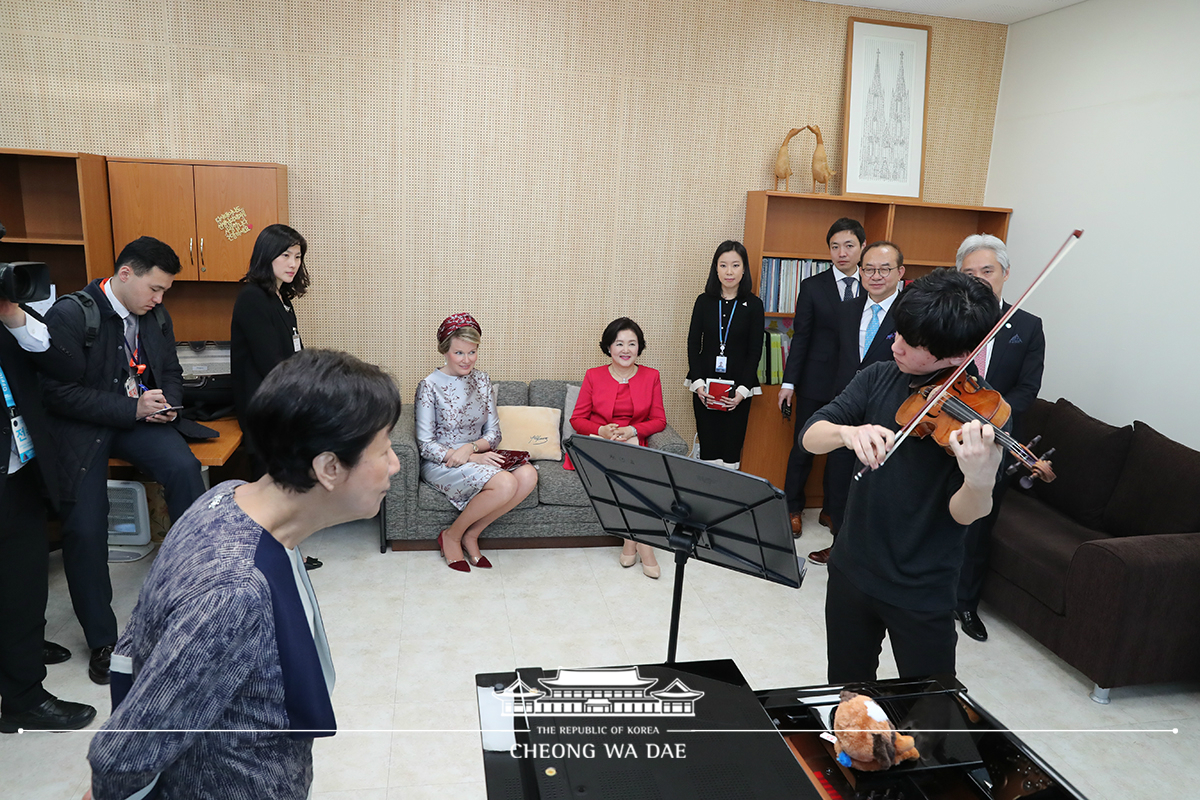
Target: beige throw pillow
x: 531, y: 428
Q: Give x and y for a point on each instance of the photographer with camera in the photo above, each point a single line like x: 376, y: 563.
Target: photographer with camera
x: 117, y: 402
x: 27, y: 479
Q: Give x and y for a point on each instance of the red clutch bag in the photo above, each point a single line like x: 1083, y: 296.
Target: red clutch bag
x: 511, y: 459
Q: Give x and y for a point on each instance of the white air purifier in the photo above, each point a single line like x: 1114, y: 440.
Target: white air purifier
x: 128, y: 521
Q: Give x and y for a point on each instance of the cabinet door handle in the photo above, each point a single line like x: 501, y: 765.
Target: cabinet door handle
x: 202, y: 267
x: 191, y: 258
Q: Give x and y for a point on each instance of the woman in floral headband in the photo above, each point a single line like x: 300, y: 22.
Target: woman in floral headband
x: 458, y: 431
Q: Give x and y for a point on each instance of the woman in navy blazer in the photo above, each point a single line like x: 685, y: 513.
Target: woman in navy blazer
x: 622, y: 401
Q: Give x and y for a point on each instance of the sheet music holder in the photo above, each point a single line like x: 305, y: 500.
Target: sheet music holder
x: 692, y: 508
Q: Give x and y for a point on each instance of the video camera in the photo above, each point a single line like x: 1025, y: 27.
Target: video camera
x: 23, y: 281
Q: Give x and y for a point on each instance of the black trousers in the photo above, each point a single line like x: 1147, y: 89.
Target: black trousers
x: 840, y: 466
x: 923, y: 642
x: 978, y: 543
x: 800, y: 460
x: 23, y: 567
x: 156, y: 449
x: 722, y: 433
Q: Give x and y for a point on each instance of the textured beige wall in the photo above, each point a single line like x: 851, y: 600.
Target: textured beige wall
x: 547, y: 166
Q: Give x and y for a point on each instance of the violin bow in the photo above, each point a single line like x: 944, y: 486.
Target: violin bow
x: 936, y: 397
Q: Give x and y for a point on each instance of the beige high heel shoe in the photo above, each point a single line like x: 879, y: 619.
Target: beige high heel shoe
x: 649, y: 570
x: 628, y: 560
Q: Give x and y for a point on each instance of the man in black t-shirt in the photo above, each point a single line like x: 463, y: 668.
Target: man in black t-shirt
x: 894, y: 566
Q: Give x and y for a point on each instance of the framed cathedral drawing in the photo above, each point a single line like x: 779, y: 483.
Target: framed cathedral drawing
x: 883, y: 132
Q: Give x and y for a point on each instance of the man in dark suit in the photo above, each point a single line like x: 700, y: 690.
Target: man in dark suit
x: 1012, y: 365
x: 27, y: 479
x: 812, y: 363
x: 117, y: 401
x: 865, y: 335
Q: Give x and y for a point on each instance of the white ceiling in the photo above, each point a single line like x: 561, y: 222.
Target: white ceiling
x: 1005, y: 11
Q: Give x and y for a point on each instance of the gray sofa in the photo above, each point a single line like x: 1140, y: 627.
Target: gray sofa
x: 558, y: 507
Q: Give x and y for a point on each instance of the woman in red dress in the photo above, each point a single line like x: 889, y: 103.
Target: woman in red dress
x: 623, y: 401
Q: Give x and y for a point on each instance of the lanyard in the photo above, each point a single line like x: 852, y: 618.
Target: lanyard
x: 132, y: 350
x: 722, y: 330
x: 8, y: 395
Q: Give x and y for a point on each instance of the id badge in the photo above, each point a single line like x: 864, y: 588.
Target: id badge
x: 131, y: 387
x: 21, y: 436
x: 296, y: 346
x: 722, y: 364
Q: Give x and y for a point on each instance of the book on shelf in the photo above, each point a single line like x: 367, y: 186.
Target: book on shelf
x: 781, y: 278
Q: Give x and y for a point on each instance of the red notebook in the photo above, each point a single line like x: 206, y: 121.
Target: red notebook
x: 718, y: 388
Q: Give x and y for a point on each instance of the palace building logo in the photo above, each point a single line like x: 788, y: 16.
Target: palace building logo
x: 598, y: 692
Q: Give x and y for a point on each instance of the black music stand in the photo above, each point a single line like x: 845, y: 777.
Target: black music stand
x: 698, y: 510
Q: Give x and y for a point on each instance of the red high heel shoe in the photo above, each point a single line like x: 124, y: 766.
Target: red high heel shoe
x: 481, y: 562
x: 460, y: 565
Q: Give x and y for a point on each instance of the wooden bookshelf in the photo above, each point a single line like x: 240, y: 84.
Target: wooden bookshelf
x: 785, y: 225
x: 55, y: 206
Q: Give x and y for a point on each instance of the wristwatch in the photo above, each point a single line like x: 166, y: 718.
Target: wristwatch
x: 474, y: 447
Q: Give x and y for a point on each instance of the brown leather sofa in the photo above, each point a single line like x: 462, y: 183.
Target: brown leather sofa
x: 1102, y: 566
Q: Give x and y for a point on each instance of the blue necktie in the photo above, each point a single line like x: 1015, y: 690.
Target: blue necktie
x: 848, y: 294
x: 872, y: 327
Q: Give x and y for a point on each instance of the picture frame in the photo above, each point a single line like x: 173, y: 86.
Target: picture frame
x: 883, y: 127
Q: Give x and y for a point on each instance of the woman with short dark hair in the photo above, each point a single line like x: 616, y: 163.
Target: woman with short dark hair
x: 622, y: 401
x: 223, y: 676
x: 458, y: 431
x: 725, y: 343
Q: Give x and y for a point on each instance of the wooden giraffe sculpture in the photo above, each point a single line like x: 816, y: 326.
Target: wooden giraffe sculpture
x: 820, y: 164
x: 783, y: 165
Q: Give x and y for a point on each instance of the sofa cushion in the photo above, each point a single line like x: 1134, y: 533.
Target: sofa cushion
x: 533, y: 429
x: 1157, y: 490
x: 560, y: 487
x: 1032, y: 546
x: 430, y: 499
x: 511, y: 393
x: 569, y: 403
x: 1088, y: 459
x: 550, y: 394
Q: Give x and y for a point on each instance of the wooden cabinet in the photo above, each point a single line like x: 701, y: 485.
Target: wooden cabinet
x: 785, y: 225
x: 55, y: 206
x: 209, y: 212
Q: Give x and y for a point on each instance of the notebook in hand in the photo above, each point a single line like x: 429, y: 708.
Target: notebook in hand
x: 718, y: 389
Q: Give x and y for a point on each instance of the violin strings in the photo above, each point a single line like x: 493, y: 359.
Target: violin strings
x: 954, y: 404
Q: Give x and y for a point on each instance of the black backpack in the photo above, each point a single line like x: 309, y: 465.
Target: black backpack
x: 91, y: 316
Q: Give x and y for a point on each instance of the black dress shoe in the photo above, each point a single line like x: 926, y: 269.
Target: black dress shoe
x: 311, y: 563
x: 972, y: 625
x: 98, y: 664
x: 54, y: 653
x: 52, y: 715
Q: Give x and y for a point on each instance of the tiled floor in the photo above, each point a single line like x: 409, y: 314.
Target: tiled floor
x: 408, y: 636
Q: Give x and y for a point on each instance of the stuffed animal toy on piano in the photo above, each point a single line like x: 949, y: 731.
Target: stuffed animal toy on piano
x: 866, y: 739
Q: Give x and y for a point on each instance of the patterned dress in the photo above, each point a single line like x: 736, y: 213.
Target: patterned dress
x: 453, y: 411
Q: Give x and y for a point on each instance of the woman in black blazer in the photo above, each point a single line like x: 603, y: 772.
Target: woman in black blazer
x: 725, y: 341
x: 263, y: 332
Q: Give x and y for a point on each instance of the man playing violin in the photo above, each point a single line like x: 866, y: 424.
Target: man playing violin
x: 894, y: 566
x: 1012, y: 365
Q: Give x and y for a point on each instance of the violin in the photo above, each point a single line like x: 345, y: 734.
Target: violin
x: 964, y: 400
x: 933, y: 396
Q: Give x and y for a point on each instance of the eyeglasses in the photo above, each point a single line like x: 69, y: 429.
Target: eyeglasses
x: 882, y: 271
